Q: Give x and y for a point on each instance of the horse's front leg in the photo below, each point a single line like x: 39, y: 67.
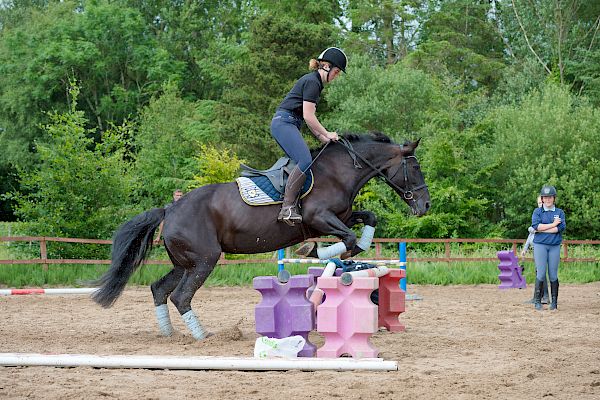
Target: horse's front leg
x: 362, y: 217
x: 366, y: 237
x: 357, y: 217
x: 327, y: 223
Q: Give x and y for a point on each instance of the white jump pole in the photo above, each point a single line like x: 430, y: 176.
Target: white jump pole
x: 196, y: 363
x: 317, y: 261
x: 19, y: 292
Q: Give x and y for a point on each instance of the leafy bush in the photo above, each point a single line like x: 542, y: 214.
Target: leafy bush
x: 81, y: 188
x: 216, y: 166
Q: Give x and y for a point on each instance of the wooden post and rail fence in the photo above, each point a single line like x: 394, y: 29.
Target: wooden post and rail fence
x: 378, y: 242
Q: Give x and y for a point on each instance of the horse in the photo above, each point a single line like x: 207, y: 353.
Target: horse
x: 213, y: 219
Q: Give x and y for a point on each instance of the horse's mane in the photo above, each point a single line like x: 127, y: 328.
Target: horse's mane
x: 374, y: 136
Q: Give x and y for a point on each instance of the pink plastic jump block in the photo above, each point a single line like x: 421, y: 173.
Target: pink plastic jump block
x: 347, y: 319
x: 392, y: 300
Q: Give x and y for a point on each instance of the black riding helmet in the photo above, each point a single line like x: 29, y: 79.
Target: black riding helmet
x: 548, y: 191
x: 335, y: 57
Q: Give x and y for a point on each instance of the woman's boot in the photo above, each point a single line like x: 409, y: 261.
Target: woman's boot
x: 288, y: 213
x: 545, y: 291
x: 537, y: 300
x: 554, y: 294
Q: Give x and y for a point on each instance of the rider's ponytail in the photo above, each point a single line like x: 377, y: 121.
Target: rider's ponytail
x: 314, y: 65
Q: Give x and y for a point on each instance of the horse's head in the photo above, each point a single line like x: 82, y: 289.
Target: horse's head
x: 403, y: 174
x: 395, y: 163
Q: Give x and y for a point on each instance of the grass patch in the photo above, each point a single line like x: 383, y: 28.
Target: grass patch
x: 480, y: 273
x: 19, y: 276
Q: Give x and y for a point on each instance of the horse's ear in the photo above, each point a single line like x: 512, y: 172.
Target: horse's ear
x: 411, y: 146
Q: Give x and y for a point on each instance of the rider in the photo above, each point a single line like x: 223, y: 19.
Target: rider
x: 298, y: 106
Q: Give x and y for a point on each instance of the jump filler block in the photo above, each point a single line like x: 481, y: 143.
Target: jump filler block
x: 511, y: 273
x: 347, y: 319
x: 284, y: 310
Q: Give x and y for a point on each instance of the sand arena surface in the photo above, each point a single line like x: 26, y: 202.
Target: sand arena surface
x: 465, y: 342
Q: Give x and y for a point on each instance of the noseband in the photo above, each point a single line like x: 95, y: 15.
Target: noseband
x: 406, y: 194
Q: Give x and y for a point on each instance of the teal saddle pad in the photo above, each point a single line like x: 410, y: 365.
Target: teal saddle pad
x: 259, y: 191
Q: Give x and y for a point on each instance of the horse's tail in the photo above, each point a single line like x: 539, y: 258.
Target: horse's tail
x: 131, y: 245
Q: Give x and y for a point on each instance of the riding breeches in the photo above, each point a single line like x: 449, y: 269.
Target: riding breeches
x: 546, y: 256
x: 285, y: 128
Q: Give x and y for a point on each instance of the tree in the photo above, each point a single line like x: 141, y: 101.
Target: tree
x: 80, y: 188
x: 460, y: 44
x: 203, y: 36
x: 387, y: 29
x: 549, y: 138
x: 561, y: 35
x: 101, y: 44
x: 397, y: 100
x: 170, y: 134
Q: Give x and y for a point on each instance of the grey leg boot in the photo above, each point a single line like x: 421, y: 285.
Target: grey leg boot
x: 554, y: 292
x: 289, y: 214
x: 537, y: 299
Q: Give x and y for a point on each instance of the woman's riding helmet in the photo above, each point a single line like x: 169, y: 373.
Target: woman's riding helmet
x: 335, y: 57
x: 548, y: 191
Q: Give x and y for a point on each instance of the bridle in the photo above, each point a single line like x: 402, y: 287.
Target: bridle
x: 406, y: 194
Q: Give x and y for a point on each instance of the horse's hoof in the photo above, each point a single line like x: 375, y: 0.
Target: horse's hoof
x: 346, y: 254
x: 305, y: 249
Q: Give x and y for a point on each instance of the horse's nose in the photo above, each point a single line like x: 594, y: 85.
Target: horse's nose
x: 427, y: 205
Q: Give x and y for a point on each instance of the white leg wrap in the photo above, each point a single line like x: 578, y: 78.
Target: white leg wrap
x: 194, y: 325
x: 336, y: 249
x: 164, y: 322
x: 366, y: 237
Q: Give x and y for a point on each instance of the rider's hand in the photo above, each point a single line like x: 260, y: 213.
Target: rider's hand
x: 332, y: 136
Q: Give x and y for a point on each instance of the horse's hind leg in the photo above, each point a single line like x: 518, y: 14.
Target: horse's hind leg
x: 161, y: 289
x: 182, y: 296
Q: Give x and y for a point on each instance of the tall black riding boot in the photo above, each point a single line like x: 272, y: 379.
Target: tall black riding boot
x: 554, y: 293
x: 545, y: 296
x: 288, y: 213
x: 537, y: 299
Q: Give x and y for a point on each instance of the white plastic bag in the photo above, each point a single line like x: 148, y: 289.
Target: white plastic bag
x: 266, y: 347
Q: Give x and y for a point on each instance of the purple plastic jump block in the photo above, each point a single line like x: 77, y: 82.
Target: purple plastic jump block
x: 284, y: 310
x: 511, y: 274
x: 347, y: 318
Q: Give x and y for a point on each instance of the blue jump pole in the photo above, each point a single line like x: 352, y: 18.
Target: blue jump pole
x: 280, y: 257
x: 402, y: 252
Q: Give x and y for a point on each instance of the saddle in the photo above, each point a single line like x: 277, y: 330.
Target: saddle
x: 264, y: 187
x: 275, y: 174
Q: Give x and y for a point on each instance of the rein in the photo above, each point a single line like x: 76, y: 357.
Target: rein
x: 407, y: 194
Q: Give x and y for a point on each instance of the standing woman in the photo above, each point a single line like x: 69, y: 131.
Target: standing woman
x: 299, y: 106
x: 549, y: 222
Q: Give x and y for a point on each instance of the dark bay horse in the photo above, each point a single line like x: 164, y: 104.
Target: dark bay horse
x: 214, y: 219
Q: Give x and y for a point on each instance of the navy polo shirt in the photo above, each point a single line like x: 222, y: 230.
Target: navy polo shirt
x: 307, y: 88
x: 542, y: 216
